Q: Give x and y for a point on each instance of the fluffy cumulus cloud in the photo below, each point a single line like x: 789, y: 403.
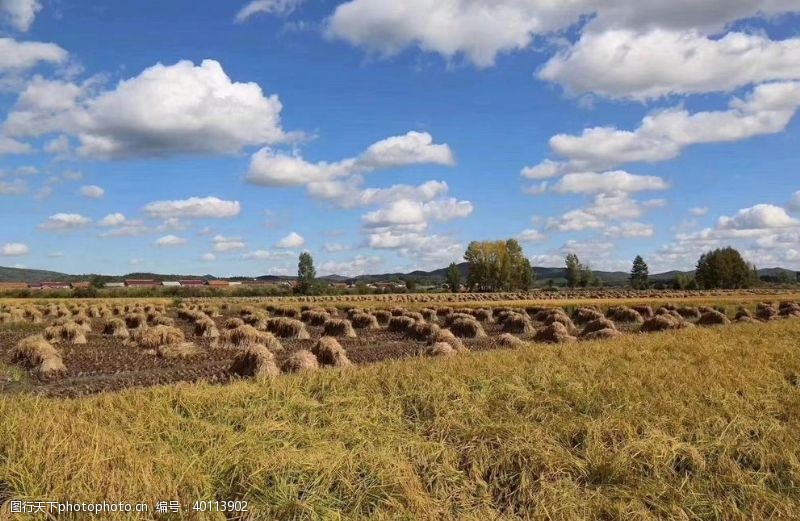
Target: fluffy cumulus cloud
x: 293, y: 240
x: 768, y: 109
x: 111, y: 220
x: 14, y: 249
x: 602, y: 211
x: 627, y: 63
x: 759, y: 216
x: 223, y: 244
x: 531, y: 235
x: 267, y: 255
x: 20, y: 56
x: 19, y: 13
x: 275, y: 7
x: 166, y: 110
x: 481, y: 29
x: 405, y: 212
x: 794, y: 204
x: 608, y: 182
x: 92, y: 192
x: 193, y: 208
x: 65, y: 222
x: 271, y: 168
x: 359, y: 265
x: 170, y: 241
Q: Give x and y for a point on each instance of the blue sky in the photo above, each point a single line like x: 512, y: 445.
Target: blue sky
x: 226, y: 137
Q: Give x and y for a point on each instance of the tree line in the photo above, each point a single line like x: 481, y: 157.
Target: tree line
x: 496, y: 266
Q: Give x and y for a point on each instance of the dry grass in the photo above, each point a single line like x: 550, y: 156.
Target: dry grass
x: 338, y: 327
x: 254, y: 361
x: 692, y: 424
x: 329, y: 352
x: 245, y: 336
x: 69, y: 332
x: 300, y: 361
x: 283, y: 327
x: 44, y: 360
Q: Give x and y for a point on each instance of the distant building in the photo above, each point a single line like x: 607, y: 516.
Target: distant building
x: 114, y: 285
x: 54, y: 285
x: 170, y: 283
x: 140, y: 283
x: 6, y: 286
x: 81, y: 285
x: 192, y: 282
x: 219, y: 283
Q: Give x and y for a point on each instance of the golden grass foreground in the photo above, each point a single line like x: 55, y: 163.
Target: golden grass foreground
x: 693, y: 424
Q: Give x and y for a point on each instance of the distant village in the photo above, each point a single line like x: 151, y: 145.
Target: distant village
x: 152, y: 283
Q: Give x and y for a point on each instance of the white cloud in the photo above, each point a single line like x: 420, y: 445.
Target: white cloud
x: 359, y: 265
x: 293, y: 240
x: 170, y: 240
x: 405, y: 212
x: 335, y: 248
x: 625, y: 63
x: 276, y: 7
x: 64, y: 222
x: 19, y: 13
x: 26, y: 170
x: 630, y: 230
x: 20, y: 56
x: 12, y: 146
x: 16, y: 187
x: 759, y: 216
x: 794, y: 204
x: 663, y: 135
x: 531, y: 235
x: 14, y: 249
x: 430, y: 251
x: 605, y: 208
x: 607, y: 182
x: 544, y: 170
x: 193, y: 208
x: 270, y: 168
x: 72, y: 175
x: 92, y: 192
x: 700, y: 211
x: 208, y: 257
x: 224, y: 244
x: 111, y: 220
x: 167, y: 110
x: 482, y: 29
x: 267, y: 255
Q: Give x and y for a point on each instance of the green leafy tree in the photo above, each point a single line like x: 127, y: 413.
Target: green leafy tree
x: 640, y: 274
x: 453, y: 277
x: 306, y: 274
x: 497, y: 266
x: 411, y: 284
x: 574, y: 271
x: 723, y: 268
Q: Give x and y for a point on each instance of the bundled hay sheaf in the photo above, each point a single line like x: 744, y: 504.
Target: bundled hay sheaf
x: 414, y: 315
x: 554, y: 333
x: 663, y: 322
x: 244, y: 336
x: 254, y: 361
x: 584, y: 315
x: 518, y: 324
x: 206, y: 328
x: 364, y: 321
x: 116, y: 328
x: 338, y: 327
x: 329, y: 352
x: 135, y: 320
x: 283, y: 327
x: 597, y: 325
x: 447, y: 336
x: 789, y: 309
x: 314, y: 317
x: 766, y: 312
x: 689, y: 312
x: 624, y: 314
x: 602, y: 334
x: 400, y: 324
x: 440, y: 349
x: 233, y: 323
x: 510, y: 341
x: 382, y: 316
x: 644, y: 311
x: 713, y: 318
x: 300, y: 361
x: 43, y: 358
x: 421, y: 330
x: 467, y: 328
x: 68, y: 332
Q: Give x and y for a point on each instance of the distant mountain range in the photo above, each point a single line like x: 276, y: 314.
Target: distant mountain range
x: 557, y: 275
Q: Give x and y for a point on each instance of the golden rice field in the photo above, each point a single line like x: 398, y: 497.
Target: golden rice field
x: 540, y: 417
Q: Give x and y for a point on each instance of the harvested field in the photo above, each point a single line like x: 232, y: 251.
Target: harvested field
x: 206, y: 336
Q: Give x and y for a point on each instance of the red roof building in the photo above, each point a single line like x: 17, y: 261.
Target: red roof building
x: 140, y: 283
x: 193, y: 282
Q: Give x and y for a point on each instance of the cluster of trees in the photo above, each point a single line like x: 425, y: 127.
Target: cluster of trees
x: 502, y: 266
x: 580, y: 275
x: 497, y: 266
